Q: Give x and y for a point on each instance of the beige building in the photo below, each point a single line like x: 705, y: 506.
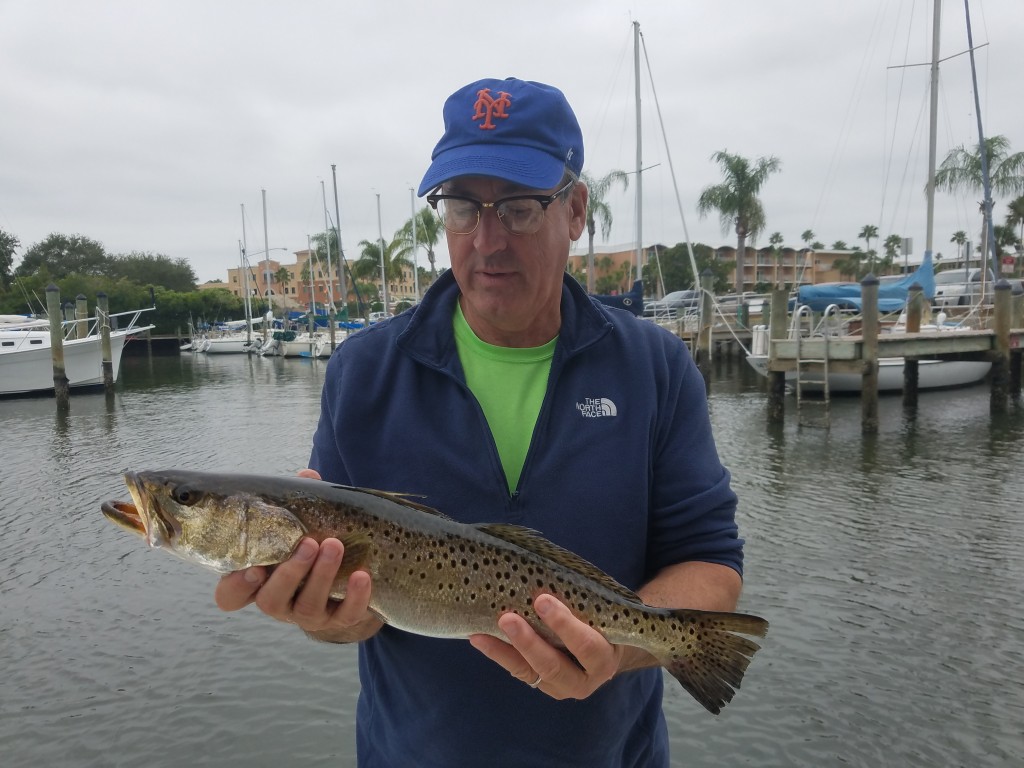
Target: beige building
x: 290, y: 285
x: 614, y: 266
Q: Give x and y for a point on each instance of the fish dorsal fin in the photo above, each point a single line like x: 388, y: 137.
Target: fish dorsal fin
x: 534, y: 542
x: 405, y: 499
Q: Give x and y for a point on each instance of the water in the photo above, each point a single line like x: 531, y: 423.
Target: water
x: 890, y: 568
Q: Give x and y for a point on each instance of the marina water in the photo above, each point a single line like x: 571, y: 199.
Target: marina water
x: 891, y: 568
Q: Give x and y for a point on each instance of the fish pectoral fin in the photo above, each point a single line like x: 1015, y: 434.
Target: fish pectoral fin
x: 358, y: 549
x: 533, y: 541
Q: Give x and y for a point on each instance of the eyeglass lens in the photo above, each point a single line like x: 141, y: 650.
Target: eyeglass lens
x: 519, y: 216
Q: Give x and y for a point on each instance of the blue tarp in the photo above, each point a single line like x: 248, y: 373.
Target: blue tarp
x: 892, y: 297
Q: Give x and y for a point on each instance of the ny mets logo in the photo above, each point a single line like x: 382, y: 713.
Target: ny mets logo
x: 487, y: 107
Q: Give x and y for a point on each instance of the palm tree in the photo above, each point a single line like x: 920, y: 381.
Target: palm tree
x: 1015, y: 218
x: 367, y: 266
x: 892, y: 245
x: 960, y: 238
x: 961, y: 170
x: 283, y: 277
x: 807, y: 237
x: 868, y: 233
x: 428, y: 234
x: 599, y: 212
x: 736, y: 200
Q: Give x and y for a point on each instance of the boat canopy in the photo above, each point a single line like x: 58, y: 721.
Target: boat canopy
x: 892, y: 296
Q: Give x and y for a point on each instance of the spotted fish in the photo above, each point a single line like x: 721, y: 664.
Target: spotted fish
x: 431, y: 575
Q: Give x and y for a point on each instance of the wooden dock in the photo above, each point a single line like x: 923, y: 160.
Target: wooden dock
x: 1000, y: 343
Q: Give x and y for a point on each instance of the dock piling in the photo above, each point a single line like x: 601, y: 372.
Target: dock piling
x: 103, y: 318
x: 915, y: 309
x: 61, y: 387
x: 1000, y: 395
x: 777, y: 379
x: 81, y: 316
x: 869, y: 333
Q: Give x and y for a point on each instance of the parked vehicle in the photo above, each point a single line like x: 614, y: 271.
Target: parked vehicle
x: 673, y: 305
x: 960, y: 287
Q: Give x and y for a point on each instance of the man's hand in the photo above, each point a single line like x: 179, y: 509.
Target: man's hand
x: 530, y: 658
x: 298, y: 592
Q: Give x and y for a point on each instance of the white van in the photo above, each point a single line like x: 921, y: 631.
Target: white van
x: 960, y: 287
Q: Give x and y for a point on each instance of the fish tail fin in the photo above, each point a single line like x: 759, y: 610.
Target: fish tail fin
x: 709, y: 657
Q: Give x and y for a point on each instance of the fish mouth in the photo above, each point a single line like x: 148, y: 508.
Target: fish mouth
x: 124, y: 514
x: 142, y: 515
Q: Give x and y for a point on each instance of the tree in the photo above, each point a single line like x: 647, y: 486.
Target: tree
x: 283, y: 278
x: 428, y: 234
x: 808, y: 237
x: 599, y: 212
x: 367, y: 266
x: 892, y: 245
x: 868, y: 233
x: 1006, y: 238
x: 8, y: 245
x: 153, y: 269
x: 840, y: 245
x: 961, y: 171
x: 736, y: 200
x: 61, y: 255
x: 960, y: 238
x: 1014, y: 218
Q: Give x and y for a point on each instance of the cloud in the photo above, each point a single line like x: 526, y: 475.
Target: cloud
x: 147, y: 125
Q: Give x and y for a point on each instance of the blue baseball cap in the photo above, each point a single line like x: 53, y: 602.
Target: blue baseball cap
x: 516, y: 130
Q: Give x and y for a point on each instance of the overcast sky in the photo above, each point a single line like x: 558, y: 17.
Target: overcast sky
x: 146, y: 125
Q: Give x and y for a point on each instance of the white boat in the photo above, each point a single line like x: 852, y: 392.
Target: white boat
x: 931, y: 374
x: 26, y: 363
x: 292, y: 344
x: 230, y: 343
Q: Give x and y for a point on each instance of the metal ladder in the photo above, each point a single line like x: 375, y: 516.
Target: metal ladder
x: 812, y: 372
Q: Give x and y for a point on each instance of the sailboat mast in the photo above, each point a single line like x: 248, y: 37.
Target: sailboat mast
x: 415, y: 260
x: 639, y: 154
x: 266, y: 255
x: 243, y: 246
x: 383, y: 274
x: 342, y: 285
x: 988, y: 233
x: 933, y: 130
x: 327, y: 239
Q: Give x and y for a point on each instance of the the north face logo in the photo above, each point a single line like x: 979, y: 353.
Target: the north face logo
x: 488, y: 108
x: 597, y: 407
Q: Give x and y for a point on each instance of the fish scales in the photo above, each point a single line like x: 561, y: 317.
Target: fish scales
x: 431, y: 575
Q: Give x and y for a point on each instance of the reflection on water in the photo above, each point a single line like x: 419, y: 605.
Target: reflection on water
x: 890, y: 567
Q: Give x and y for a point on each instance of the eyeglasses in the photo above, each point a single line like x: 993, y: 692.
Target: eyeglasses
x: 519, y: 214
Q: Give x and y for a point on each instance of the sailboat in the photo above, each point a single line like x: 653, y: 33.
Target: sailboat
x: 231, y: 339
x: 833, y: 297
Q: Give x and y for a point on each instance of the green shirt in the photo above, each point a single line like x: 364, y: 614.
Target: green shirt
x: 509, y: 383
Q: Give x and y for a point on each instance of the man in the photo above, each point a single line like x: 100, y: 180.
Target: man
x: 509, y: 395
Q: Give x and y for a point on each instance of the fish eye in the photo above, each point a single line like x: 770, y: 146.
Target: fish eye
x: 185, y: 496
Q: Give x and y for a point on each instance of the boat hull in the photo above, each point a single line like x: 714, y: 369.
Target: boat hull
x: 931, y: 374
x: 230, y: 345
x: 28, y: 366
